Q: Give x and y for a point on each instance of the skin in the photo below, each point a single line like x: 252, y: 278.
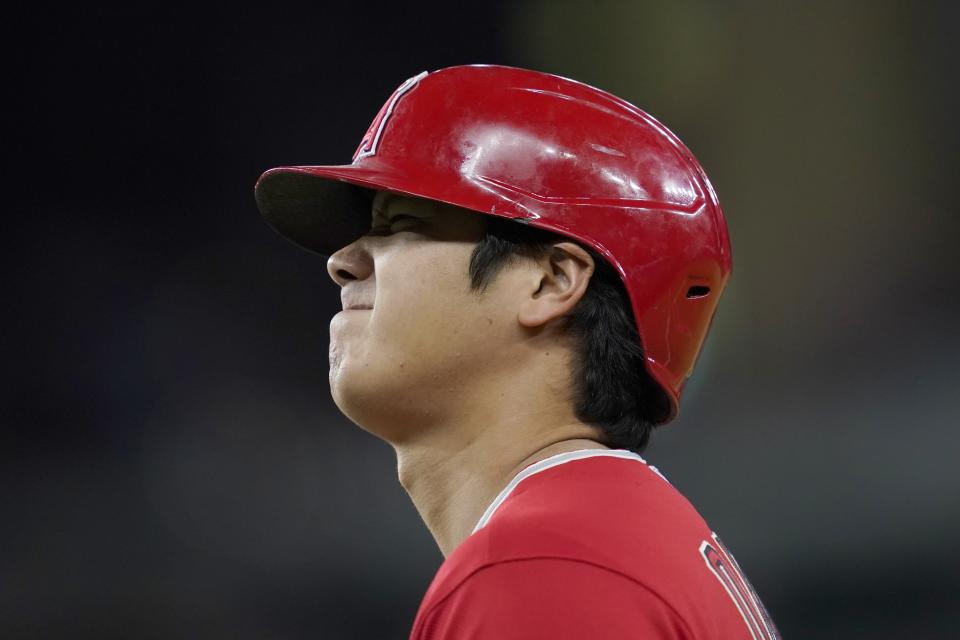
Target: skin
x: 468, y: 388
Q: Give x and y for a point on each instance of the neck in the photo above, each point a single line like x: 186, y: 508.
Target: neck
x: 466, y: 448
x: 452, y: 484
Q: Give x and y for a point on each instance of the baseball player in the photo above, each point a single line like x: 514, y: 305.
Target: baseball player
x: 528, y: 269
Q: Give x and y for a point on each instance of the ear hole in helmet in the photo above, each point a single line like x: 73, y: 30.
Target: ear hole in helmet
x: 697, y: 291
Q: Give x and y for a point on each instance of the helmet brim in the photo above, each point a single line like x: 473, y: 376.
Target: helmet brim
x: 320, y: 208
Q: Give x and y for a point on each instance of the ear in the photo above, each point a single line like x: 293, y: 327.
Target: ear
x: 563, y: 278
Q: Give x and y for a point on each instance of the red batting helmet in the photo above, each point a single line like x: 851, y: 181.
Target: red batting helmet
x: 546, y: 151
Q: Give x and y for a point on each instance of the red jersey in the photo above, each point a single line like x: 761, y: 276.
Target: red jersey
x: 591, y: 544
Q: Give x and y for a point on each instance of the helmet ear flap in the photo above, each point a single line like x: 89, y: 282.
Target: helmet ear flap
x: 673, y: 329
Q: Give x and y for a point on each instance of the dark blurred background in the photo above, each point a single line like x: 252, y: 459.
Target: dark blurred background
x: 172, y: 464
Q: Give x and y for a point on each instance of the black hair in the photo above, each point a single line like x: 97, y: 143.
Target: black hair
x: 610, y: 386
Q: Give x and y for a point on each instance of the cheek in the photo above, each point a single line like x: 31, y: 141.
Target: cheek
x: 415, y: 310
x: 427, y: 325
x: 424, y: 302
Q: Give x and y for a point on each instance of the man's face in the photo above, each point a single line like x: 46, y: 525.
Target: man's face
x: 425, y: 341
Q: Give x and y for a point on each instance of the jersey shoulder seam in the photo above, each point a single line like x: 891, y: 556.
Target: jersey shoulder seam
x: 490, y: 565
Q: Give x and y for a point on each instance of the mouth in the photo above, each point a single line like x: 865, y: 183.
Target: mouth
x: 358, y: 308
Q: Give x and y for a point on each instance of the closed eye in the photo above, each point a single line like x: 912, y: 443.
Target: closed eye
x: 391, y: 222
x: 403, y: 222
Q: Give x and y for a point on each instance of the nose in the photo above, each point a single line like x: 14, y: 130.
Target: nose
x: 352, y: 262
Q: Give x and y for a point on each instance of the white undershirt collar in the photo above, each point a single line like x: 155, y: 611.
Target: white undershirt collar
x: 547, y: 463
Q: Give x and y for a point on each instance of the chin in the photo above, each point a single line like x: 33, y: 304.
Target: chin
x: 362, y: 402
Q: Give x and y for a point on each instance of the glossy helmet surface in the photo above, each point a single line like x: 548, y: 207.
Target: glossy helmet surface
x: 546, y: 151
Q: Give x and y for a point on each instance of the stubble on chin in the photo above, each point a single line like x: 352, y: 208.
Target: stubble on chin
x: 335, y: 359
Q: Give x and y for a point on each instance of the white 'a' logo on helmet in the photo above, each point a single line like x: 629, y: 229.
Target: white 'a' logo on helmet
x: 368, y: 146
